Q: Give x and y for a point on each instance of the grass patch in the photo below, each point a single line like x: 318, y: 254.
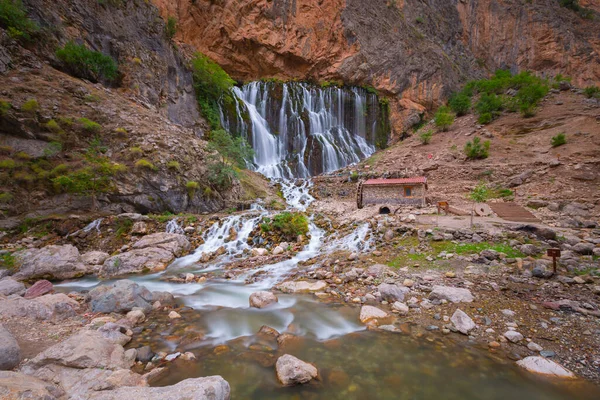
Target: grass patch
x: 8, y: 261
x: 558, y: 140
x: 89, y: 125
x: 145, y: 164
x: 475, y: 248
x: 287, y: 224
x: 30, y: 106
x: 88, y: 64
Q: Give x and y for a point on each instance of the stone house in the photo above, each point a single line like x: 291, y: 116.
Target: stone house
x: 392, y: 192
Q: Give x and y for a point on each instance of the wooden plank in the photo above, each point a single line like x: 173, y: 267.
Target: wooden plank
x: 513, y: 212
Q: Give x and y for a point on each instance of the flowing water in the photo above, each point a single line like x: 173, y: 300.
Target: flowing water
x: 306, y: 131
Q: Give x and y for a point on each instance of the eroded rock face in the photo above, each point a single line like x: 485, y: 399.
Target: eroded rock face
x: 122, y: 296
x: 50, y: 262
x: 293, y: 371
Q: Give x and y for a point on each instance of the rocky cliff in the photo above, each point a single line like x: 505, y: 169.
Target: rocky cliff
x: 415, y: 51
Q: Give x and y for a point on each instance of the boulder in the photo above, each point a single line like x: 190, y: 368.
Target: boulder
x: 543, y: 366
x: 513, y: 336
x: 278, y: 250
x: 48, y: 307
x: 259, y: 252
x: 151, y: 253
x: 50, y: 262
x: 121, y: 296
x: 144, y: 354
x: 18, y: 386
x: 10, y: 352
x: 94, y: 257
x: 10, y: 286
x: 584, y: 248
x: 302, y: 286
x: 529, y: 249
x: 450, y: 293
x: 293, y: 371
x: 392, y: 292
x: 462, y: 321
x: 262, y: 299
x: 368, y: 313
x: 378, y: 270
x: 207, y: 388
x: 400, y: 307
x: 38, y: 289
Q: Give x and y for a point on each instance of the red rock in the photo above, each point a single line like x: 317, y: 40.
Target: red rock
x: 38, y: 289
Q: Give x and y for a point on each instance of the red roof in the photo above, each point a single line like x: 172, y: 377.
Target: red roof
x: 397, y: 181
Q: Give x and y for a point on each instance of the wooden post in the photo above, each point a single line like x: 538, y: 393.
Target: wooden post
x: 553, y: 253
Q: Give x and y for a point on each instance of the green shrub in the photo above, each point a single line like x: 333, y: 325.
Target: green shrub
x: 24, y: 177
x: 591, y: 92
x: 236, y: 151
x: 480, y: 193
x: 212, y: 85
x: 65, y: 121
x: 488, y: 107
x: 460, y: 103
x: 60, y: 169
x: 30, y: 106
x: 6, y: 197
x: 353, y: 178
x: 221, y: 175
x: 191, y: 187
x: 425, y: 137
x: 123, y: 227
x: 7, y: 163
x: 89, y: 125
x: 121, y: 132
x: 7, y: 261
x: 88, y: 64
x: 288, y: 224
x: 145, y: 164
x: 476, y: 149
x: 52, y: 149
x: 174, y: 165
x: 444, y: 118
x: 13, y: 17
x: 21, y: 155
x: 558, y: 140
x: 171, y: 27
x: 4, y: 107
x: 529, y: 96
x: 54, y: 127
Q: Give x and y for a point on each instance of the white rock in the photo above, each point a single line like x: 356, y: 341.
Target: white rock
x: 541, y: 365
x: 368, y: 313
x: 534, y: 346
x: 401, y: 308
x: 513, y: 336
x: 259, y: 252
x: 262, y: 299
x: 277, y: 250
x: 302, y: 286
x: 408, y: 282
x: 136, y: 316
x: 462, y: 322
x: 292, y: 371
x: 453, y: 294
x: 174, y: 315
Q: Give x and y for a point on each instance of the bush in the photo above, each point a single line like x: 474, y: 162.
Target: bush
x: 87, y: 64
x: 21, y: 155
x: 288, y: 224
x: 174, y: 165
x: 592, y: 91
x: 89, y: 125
x: 4, y: 107
x: 6, y: 197
x: 54, y: 127
x: 221, y: 175
x: 425, y: 137
x: 30, y: 106
x: 480, y: 193
x: 136, y: 151
x: 444, y: 118
x: 171, y: 27
x: 488, y: 108
x: 236, y: 151
x: 460, y: 103
x: 558, y: 140
x: 13, y: 17
x: 192, y: 186
x: 529, y: 96
x: 60, y: 169
x: 476, y: 149
x: 7, y: 164
x: 145, y: 164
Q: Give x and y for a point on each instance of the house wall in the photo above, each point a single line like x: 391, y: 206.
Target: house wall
x: 393, y: 194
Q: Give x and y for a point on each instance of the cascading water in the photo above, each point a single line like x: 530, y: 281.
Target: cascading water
x: 174, y: 227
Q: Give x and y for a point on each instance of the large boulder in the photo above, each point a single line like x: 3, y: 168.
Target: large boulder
x: 10, y: 352
x: 262, y: 299
x: 50, y: 262
x: 543, y: 366
x: 462, y: 321
x: 302, y: 286
x: 207, y: 388
x: 151, y: 253
x: 48, y: 307
x: 10, y: 286
x: 293, y: 371
x: 121, y: 296
x: 18, y: 386
x: 391, y: 292
x: 450, y: 293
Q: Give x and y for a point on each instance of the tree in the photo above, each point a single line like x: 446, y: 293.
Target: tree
x: 444, y: 118
x: 479, y: 194
x: 231, y: 153
x: 460, y: 103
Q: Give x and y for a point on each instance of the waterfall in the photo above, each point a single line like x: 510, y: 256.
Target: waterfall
x: 94, y: 225
x: 298, y: 130
x: 174, y: 227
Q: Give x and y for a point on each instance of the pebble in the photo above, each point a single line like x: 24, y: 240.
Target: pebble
x: 173, y: 356
x: 408, y: 283
x: 174, y: 315
x: 547, y: 353
x: 450, y: 274
x: 513, y: 336
x: 494, y: 345
x: 534, y: 346
x: 433, y: 328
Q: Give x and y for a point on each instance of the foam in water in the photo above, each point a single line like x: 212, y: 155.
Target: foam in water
x: 359, y: 240
x: 94, y: 225
x: 174, y: 227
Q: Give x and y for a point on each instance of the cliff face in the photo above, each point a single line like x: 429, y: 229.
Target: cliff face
x: 413, y: 50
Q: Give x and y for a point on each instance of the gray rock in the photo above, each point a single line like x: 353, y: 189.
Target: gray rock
x: 50, y: 262
x: 121, y: 296
x: 378, y: 270
x: 10, y: 352
x: 400, y: 307
x: 529, y: 249
x: 293, y: 371
x: 144, y: 354
x: 463, y: 323
x: 207, y: 388
x: 490, y: 254
x: 10, y: 286
x: 302, y: 286
x: 513, y: 336
x: 584, y: 248
x: 453, y: 294
x: 48, y: 307
x: 18, y: 386
x: 262, y: 299
x: 94, y: 257
x: 392, y: 292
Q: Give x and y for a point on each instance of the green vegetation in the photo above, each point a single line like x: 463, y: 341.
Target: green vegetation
x: 145, y: 164
x: 425, y: 137
x: 460, y: 103
x: 54, y: 127
x: 6, y: 197
x: 558, y: 140
x: 353, y: 178
x: 419, y: 20
x: 5, y: 107
x: 575, y: 6
x: 88, y: 64
x: 7, y: 163
x: 174, y: 165
x: 476, y: 149
x: 287, y: 224
x: 121, y: 132
x: 171, y: 27
x: 232, y: 153
x: 191, y: 187
x: 13, y: 17
x: 480, y: 193
x: 136, y: 151
x: 30, y: 106
x: 444, y: 118
x: 590, y: 92
x: 89, y: 125
x: 212, y: 85
x: 52, y: 149
x: 123, y: 227
x: 488, y: 108
x: 7, y: 261
x: 475, y: 248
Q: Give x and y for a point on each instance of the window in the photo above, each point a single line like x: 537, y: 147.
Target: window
x: 407, y: 192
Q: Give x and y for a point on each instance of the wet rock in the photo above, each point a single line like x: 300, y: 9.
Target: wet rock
x: 50, y: 262
x: 18, y: 386
x: 38, y: 289
x: 121, y: 296
x: 144, y: 354
x: 10, y: 352
x: 149, y: 254
x: 392, y: 292
x: 513, y: 336
x: 268, y: 331
x: 450, y: 293
x: 368, y: 313
x: 207, y: 388
x: 10, y: 286
x: 543, y: 366
x: 262, y: 299
x: 462, y: 322
x: 400, y: 307
x: 293, y: 371
x: 302, y: 286
x: 47, y: 307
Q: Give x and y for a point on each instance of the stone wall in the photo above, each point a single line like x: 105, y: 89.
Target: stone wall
x: 389, y: 195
